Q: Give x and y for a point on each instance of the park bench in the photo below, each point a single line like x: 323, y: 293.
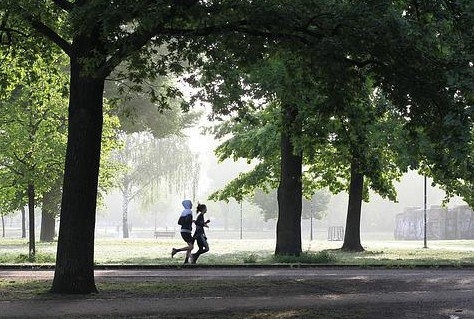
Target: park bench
x: 336, y: 233
x: 168, y: 234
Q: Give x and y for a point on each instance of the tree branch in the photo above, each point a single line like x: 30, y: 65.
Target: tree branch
x: 6, y: 32
x: 64, y: 4
x: 361, y: 63
x: 139, y: 38
x: 12, y: 167
x: 239, y: 27
x: 49, y: 33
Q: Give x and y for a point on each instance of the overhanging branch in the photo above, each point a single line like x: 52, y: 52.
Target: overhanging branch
x: 64, y: 4
x: 48, y: 33
x: 361, y: 63
x: 140, y: 38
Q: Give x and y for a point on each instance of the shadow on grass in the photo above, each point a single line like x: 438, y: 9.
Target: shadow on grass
x: 24, y: 289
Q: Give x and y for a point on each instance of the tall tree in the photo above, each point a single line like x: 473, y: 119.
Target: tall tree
x: 34, y: 136
x: 369, y: 139
x: 97, y: 36
x: 150, y: 165
x: 32, y: 139
x: 370, y: 132
x: 322, y: 120
x: 448, y: 160
x: 50, y: 206
x: 290, y: 189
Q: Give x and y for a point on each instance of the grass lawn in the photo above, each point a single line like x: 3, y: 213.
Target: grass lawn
x: 259, y: 251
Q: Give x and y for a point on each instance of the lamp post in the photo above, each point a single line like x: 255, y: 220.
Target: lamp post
x: 424, y: 215
x: 241, y: 220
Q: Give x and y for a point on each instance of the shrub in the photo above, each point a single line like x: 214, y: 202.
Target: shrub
x: 250, y: 259
x: 322, y: 257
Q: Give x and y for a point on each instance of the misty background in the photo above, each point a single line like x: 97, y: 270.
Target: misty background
x: 233, y: 220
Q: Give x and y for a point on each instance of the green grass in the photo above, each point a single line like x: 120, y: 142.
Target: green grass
x: 322, y: 257
x: 257, y: 251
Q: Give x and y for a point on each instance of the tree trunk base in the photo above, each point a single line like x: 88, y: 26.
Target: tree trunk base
x: 355, y: 248
x: 73, y: 287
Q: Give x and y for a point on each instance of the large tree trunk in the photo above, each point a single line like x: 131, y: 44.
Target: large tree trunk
x: 288, y: 233
x: 50, y: 209
x: 31, y: 219
x: 352, y: 233
x: 48, y: 223
x: 74, y: 272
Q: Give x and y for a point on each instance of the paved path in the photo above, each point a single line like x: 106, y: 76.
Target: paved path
x: 416, y: 293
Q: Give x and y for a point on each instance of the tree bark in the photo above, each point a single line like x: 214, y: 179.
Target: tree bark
x: 31, y: 219
x: 50, y: 209
x: 125, y: 202
x: 352, y: 233
x: 288, y: 232
x: 48, y: 223
x: 74, y: 272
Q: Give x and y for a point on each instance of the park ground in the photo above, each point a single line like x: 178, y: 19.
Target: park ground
x: 137, y: 278
x: 278, y: 291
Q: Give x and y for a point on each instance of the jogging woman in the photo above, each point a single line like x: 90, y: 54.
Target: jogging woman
x: 199, y: 234
x: 186, y: 222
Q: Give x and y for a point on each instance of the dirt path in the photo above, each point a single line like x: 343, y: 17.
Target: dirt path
x: 330, y: 292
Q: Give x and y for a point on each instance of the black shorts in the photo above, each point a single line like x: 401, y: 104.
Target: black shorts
x: 187, y: 237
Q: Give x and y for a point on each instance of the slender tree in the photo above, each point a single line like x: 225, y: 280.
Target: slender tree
x: 32, y: 140
x: 151, y: 142
x: 150, y: 165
